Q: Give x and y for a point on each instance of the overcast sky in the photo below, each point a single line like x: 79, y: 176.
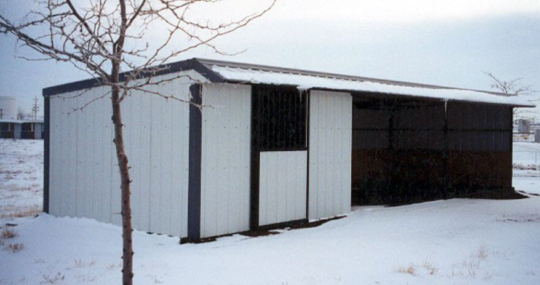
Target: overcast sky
x: 437, y: 42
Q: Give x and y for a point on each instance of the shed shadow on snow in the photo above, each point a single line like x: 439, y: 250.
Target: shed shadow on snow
x: 273, y: 231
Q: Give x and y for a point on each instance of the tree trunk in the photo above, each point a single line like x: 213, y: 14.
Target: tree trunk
x: 127, y: 230
x: 127, y: 253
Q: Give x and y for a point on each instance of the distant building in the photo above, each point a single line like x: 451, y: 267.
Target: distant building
x: 524, y: 126
x: 21, y: 129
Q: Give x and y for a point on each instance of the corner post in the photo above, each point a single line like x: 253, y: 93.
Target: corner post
x: 195, y: 155
x: 46, y: 153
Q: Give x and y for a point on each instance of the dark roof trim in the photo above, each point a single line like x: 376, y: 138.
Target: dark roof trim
x: 190, y: 64
x: 204, y: 67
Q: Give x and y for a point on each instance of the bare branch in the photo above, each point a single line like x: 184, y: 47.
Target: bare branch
x: 511, y: 87
x: 104, y: 37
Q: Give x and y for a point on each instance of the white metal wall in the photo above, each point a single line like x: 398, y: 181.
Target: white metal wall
x: 84, y: 180
x: 225, y: 182
x: 330, y: 154
x: 17, y: 128
x: 38, y: 128
x: 282, y: 186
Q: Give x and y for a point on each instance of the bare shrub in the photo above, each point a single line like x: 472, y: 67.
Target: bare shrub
x: 7, y: 233
x: 15, y: 247
x: 431, y: 269
x: 409, y: 270
x: 483, y: 252
x: 47, y: 279
x: 412, y: 269
x: 80, y: 264
x: 473, y: 263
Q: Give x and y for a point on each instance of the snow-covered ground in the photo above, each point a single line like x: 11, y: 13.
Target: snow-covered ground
x: 458, y: 241
x: 526, y: 155
x: 21, y: 177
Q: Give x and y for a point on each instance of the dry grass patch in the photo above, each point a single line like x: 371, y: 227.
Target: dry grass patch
x: 17, y: 212
x: 427, y: 267
x: 80, y: 264
x: 472, y: 265
x: 431, y: 269
x: 483, y: 252
x: 8, y: 233
x: 15, y: 247
x: 53, y: 279
x: 409, y: 270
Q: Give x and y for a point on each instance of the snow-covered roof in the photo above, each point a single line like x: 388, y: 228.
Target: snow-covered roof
x: 235, y: 72
x: 20, y: 121
x: 256, y: 74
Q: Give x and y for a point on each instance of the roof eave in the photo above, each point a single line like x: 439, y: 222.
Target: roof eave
x: 185, y: 65
x: 383, y: 93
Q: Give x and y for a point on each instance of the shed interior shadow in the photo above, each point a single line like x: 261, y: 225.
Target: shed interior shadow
x: 409, y: 150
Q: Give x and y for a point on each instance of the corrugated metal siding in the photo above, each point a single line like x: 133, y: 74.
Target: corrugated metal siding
x: 420, y: 155
x: 479, y: 127
x: 480, y: 154
x: 330, y: 139
x: 84, y: 179
x: 282, y: 186
x: 225, y: 173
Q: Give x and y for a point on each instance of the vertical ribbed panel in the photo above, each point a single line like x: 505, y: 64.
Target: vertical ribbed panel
x: 225, y: 166
x: 282, y: 186
x: 55, y: 159
x: 330, y: 154
x: 84, y: 177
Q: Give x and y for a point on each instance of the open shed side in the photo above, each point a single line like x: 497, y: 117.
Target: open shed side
x: 407, y: 150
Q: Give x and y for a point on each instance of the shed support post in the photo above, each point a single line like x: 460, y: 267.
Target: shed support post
x: 255, y: 163
x: 446, y: 161
x: 195, y: 154
x: 391, y: 127
x: 46, y: 154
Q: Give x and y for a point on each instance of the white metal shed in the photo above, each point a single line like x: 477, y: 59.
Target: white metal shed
x: 271, y: 147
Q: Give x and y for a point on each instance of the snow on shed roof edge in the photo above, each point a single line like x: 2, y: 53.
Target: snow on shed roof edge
x: 236, y: 72
x: 313, y: 80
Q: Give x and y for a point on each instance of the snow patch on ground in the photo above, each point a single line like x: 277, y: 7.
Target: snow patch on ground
x: 457, y: 241
x: 526, y: 153
x: 21, y: 177
x: 526, y: 159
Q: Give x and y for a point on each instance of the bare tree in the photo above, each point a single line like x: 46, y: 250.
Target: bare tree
x: 105, y: 38
x: 512, y: 87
